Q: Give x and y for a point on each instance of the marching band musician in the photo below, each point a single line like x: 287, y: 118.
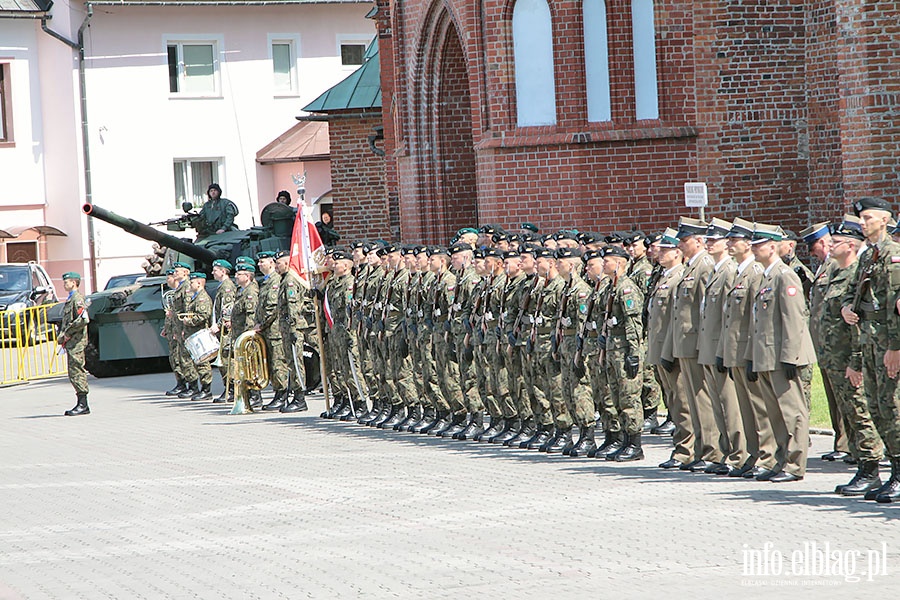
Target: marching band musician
x: 266, y: 315
x: 196, y: 317
x: 222, y: 305
x: 243, y: 311
x: 170, y: 326
x: 189, y: 385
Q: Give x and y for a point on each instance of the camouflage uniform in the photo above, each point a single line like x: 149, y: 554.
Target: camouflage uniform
x: 531, y: 367
x: 199, y: 309
x: 466, y: 285
x: 576, y: 390
x: 399, y: 364
x: 266, y: 317
x: 171, y: 327
x: 843, y: 350
x: 215, y: 215
x: 515, y: 291
x: 74, y: 328
x: 339, y: 293
x: 222, y: 304
x: 493, y: 362
x: 641, y: 273
x: 444, y: 296
x: 879, y: 329
x: 549, y: 374
x: 296, y: 315
x: 184, y: 360
x: 604, y: 404
x: 483, y: 382
x: 624, y: 338
x: 243, y: 311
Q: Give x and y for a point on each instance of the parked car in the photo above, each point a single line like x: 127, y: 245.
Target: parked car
x: 23, y: 285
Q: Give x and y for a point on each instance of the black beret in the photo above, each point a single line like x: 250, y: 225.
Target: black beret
x: 459, y: 247
x: 568, y: 253
x: 615, y: 251
x: 591, y: 254
x: 870, y: 202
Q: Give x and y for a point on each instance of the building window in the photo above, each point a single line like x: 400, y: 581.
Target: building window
x: 193, y: 69
x: 6, y: 126
x: 283, y: 66
x: 533, y: 57
x: 644, y: 34
x: 596, y: 61
x: 352, y: 54
x: 192, y: 179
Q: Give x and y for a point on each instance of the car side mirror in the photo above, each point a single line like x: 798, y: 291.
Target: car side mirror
x: 187, y: 206
x: 38, y: 291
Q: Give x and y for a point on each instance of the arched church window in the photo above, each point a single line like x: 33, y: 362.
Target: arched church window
x: 533, y: 57
x: 644, y: 34
x: 596, y: 60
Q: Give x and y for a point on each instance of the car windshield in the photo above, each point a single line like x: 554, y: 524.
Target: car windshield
x: 14, y: 279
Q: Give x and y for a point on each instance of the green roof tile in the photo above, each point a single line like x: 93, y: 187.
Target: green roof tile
x: 361, y: 90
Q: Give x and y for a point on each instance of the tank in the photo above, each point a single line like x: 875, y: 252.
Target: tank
x: 125, y: 323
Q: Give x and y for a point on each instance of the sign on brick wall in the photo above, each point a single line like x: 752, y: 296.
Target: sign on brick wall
x: 695, y: 195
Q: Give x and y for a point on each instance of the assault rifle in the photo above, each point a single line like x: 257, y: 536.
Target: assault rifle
x: 864, y: 283
x: 604, y: 329
x: 479, y: 304
x: 556, y: 338
x: 532, y: 334
x: 524, y: 303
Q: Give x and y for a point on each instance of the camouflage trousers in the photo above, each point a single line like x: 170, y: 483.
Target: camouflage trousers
x: 446, y: 369
x: 550, y: 381
x: 499, y: 377
x: 468, y: 384
x: 380, y: 371
x: 600, y: 391
x: 185, y: 363
x: 224, y: 359
x: 853, y: 409
x: 625, y: 391
x: 430, y: 386
x: 193, y: 371
x: 535, y: 390
x: 883, y: 396
x: 75, y: 364
x: 838, y: 422
x: 279, y: 373
x: 515, y: 370
x: 650, y: 388
x: 294, y: 355
x: 400, y: 370
x: 173, y: 357
x: 483, y: 382
x: 576, y: 391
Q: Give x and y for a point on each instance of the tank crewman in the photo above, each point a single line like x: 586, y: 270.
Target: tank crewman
x: 73, y: 337
x: 716, y: 383
x: 222, y: 304
x: 779, y: 346
x: 217, y: 214
x: 576, y: 389
x: 659, y: 321
x: 243, y: 311
x: 197, y: 316
x: 641, y: 271
x: 681, y: 342
x: 818, y: 240
x: 296, y: 316
x: 737, y: 320
x: 170, y: 326
x: 267, y: 325
x: 179, y: 306
x: 843, y: 365
x: 879, y: 324
x: 624, y: 351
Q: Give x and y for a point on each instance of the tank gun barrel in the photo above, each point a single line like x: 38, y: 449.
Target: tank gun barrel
x: 148, y: 233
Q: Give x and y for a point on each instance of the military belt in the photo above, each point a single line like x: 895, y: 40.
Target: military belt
x: 544, y: 330
x: 871, y: 315
x: 570, y: 330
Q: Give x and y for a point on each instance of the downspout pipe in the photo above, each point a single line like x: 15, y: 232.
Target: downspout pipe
x: 85, y: 140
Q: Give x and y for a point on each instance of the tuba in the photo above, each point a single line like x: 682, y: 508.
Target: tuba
x: 249, y: 369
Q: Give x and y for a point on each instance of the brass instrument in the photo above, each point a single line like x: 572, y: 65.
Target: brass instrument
x: 249, y: 369
x: 187, y: 315
x: 168, y: 298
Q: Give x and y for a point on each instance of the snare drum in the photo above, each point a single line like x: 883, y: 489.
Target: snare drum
x: 202, y: 346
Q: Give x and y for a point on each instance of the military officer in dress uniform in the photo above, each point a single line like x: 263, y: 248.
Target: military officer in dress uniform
x: 73, y: 337
x: 222, y: 303
x: 196, y: 316
x: 779, y: 346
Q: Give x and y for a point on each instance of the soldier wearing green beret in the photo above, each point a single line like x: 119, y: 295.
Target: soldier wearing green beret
x: 196, y: 316
x: 222, y: 305
x: 73, y: 337
x: 266, y: 325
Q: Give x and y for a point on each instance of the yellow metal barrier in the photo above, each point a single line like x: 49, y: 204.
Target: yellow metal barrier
x: 29, y: 350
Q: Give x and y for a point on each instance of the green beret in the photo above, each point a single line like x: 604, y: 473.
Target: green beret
x: 264, y: 254
x: 466, y: 230
x: 72, y: 275
x: 221, y: 262
x: 245, y: 260
x: 198, y: 275
x: 170, y: 272
x: 241, y: 266
x: 182, y: 265
x: 529, y: 227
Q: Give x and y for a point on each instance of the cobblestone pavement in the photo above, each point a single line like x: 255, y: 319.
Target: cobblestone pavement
x: 151, y: 497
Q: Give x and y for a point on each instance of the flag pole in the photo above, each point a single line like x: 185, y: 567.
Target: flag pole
x: 320, y: 330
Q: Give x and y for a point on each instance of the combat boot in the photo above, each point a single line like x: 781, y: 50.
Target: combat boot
x: 650, y: 421
x: 398, y: 417
x: 278, y: 402
x: 336, y: 407
x: 475, y: 427
x: 612, y: 444
x: 227, y: 394
x: 443, y: 417
x: 180, y: 386
x: 457, y: 424
x: 492, y: 430
x: 465, y: 424
x: 890, y: 491
x: 543, y: 435
x: 631, y: 451
x: 429, y: 416
x: 572, y: 441
x: 346, y: 404
x: 190, y: 390
x: 376, y: 408
x: 558, y: 444
x: 297, y: 404
x: 866, y: 479
x: 389, y: 415
x: 80, y: 408
x: 586, y: 443
x: 382, y: 415
x: 204, y: 394
x: 412, y: 416
x: 255, y: 399
x: 510, y: 426
x: 527, y: 431
x: 357, y: 409
x: 667, y: 427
